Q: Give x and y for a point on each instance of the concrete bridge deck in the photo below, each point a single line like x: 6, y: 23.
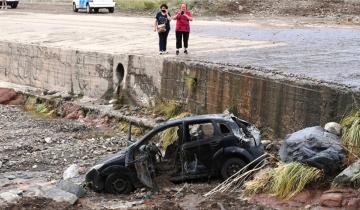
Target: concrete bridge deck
x: 330, y: 53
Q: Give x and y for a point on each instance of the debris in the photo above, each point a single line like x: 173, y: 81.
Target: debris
x: 236, y: 180
x: 220, y: 206
x: 10, y: 176
x: 350, y: 177
x: 113, y: 101
x: 316, y: 147
x: 48, y: 140
x: 71, y: 172
x: 9, y: 197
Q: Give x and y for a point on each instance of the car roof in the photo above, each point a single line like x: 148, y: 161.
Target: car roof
x: 221, y: 117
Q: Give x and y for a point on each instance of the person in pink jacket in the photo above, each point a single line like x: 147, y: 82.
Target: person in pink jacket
x: 182, y: 30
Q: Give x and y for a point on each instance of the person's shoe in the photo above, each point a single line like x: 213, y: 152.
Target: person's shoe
x: 161, y: 52
x: 186, y: 52
x: 177, y: 52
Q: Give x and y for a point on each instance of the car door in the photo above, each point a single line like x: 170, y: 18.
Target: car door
x: 82, y: 3
x: 144, y: 161
x: 201, y: 141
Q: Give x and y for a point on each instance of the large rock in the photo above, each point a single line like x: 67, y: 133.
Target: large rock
x: 331, y: 199
x: 350, y: 177
x: 9, y: 197
x: 51, y: 192
x: 10, y: 97
x: 316, y: 147
x: 340, y: 198
x: 71, y: 187
x: 71, y: 172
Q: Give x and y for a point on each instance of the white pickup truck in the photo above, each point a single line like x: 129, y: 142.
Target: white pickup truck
x: 93, y: 5
x: 12, y: 3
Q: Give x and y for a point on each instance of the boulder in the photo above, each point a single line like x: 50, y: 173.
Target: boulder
x: 333, y: 127
x: 316, y: 147
x: 69, y: 186
x: 71, y: 172
x: 331, y: 200
x: 10, y: 97
x: 51, y: 192
x: 9, y: 197
x: 350, y: 177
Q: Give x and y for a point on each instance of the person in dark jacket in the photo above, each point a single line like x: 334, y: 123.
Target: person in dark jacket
x: 162, y: 26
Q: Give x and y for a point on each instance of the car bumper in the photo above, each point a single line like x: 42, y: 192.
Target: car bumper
x: 94, y: 180
x: 98, y: 5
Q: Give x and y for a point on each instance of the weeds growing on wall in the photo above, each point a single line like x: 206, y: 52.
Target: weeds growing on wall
x: 285, y: 180
x: 168, y: 108
x: 351, y: 135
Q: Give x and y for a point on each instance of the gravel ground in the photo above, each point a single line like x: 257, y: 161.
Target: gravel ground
x: 30, y: 144
x: 38, y: 144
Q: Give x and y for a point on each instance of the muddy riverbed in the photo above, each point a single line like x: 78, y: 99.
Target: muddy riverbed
x: 38, y: 149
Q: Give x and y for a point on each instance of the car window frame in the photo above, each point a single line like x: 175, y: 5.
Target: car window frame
x: 202, y: 121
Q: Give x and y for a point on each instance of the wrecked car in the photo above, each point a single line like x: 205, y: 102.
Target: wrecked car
x: 194, y: 147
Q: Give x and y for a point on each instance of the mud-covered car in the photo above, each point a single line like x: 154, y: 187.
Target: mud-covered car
x: 202, y: 146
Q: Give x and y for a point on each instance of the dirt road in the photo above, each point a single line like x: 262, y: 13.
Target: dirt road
x: 297, y: 47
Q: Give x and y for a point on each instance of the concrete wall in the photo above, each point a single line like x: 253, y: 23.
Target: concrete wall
x: 88, y: 73
x: 279, y: 104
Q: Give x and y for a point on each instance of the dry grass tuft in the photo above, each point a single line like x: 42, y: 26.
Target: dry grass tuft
x: 284, y: 181
x: 135, y: 130
x: 351, y: 135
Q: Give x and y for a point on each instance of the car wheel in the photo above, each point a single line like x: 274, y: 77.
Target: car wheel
x: 88, y: 9
x: 96, y: 10
x: 13, y: 5
x: 74, y: 8
x: 231, y: 166
x: 111, y: 10
x: 118, y: 183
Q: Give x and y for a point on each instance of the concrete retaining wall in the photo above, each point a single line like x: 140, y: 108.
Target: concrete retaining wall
x: 280, y: 105
x: 88, y: 73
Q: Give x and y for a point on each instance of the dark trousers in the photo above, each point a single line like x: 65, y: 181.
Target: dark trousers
x: 179, y: 36
x: 163, y: 40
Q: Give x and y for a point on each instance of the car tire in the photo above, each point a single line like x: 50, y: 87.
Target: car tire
x: 111, y: 10
x: 14, y: 5
x: 74, y: 8
x: 96, y: 10
x: 117, y: 183
x: 231, y: 166
x: 88, y: 9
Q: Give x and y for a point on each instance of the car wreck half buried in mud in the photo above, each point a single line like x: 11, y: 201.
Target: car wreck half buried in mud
x: 194, y: 147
